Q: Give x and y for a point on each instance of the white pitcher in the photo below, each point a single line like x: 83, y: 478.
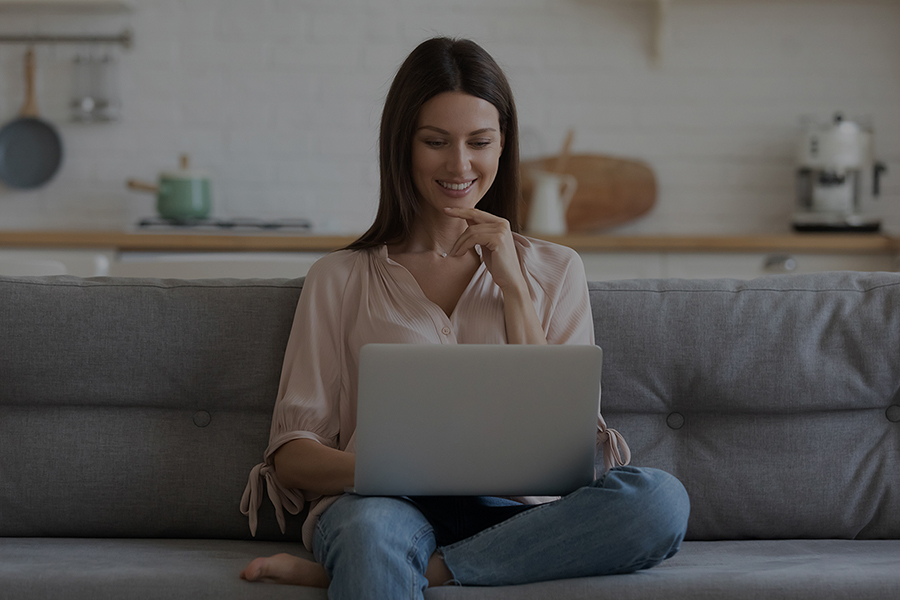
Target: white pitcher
x: 550, y: 201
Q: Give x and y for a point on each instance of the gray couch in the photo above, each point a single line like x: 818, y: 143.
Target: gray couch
x: 131, y: 411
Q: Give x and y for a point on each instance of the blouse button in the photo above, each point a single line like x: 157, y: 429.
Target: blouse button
x: 445, y: 331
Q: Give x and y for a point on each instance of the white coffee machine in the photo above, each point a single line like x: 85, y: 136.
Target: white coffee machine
x: 837, y: 176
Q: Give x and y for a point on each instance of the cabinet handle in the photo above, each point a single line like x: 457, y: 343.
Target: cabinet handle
x: 779, y: 263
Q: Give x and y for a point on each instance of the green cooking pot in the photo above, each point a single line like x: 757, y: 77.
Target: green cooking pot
x: 182, y: 195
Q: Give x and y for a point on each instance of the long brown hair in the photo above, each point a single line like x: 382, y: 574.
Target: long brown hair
x: 436, y: 66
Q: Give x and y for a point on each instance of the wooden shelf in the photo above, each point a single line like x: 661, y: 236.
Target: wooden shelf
x: 802, y: 243
x: 239, y: 242
x: 660, y: 17
x: 661, y: 11
x: 67, y: 6
x: 172, y: 242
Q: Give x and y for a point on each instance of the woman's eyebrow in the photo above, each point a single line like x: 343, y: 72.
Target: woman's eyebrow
x: 443, y: 132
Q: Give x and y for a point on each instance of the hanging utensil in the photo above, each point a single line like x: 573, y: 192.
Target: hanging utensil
x: 30, y: 148
x: 95, y: 95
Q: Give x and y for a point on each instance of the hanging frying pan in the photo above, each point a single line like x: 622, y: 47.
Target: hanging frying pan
x: 30, y: 148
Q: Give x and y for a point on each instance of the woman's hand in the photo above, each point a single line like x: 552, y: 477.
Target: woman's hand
x: 498, y: 249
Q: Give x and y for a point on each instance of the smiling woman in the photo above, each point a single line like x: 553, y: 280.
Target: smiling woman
x: 438, y: 66
x: 443, y: 264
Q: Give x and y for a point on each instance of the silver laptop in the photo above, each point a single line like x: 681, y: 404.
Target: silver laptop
x: 499, y: 420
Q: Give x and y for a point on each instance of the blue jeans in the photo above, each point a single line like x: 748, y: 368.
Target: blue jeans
x: 378, y: 547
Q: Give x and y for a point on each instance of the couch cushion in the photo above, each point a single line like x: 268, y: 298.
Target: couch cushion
x: 770, y: 399
x: 136, y: 408
x: 127, y: 569
x: 749, y: 570
x: 143, y: 342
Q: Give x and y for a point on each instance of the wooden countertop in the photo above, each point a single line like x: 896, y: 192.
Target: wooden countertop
x: 241, y: 242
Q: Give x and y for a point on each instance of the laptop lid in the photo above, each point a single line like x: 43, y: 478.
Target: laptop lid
x: 501, y: 420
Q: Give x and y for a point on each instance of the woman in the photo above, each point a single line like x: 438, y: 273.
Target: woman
x: 443, y: 264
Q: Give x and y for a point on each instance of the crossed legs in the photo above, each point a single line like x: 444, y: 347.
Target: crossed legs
x: 629, y: 519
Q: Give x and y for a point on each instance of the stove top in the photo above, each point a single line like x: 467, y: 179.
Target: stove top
x: 217, y: 224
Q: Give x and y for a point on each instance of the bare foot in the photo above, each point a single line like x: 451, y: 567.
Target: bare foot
x: 284, y: 568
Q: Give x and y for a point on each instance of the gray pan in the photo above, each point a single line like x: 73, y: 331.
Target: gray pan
x: 30, y: 148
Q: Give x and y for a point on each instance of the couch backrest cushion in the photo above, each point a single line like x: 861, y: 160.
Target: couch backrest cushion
x: 775, y: 400
x: 134, y: 407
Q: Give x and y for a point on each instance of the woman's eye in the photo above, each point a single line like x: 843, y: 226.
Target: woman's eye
x: 477, y: 144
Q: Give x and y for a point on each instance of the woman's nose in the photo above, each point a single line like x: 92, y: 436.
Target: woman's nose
x: 459, y: 160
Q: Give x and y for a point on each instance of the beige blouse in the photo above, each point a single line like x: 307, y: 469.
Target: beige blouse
x: 351, y: 298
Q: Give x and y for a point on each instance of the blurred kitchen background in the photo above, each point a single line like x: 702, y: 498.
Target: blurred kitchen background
x: 279, y: 100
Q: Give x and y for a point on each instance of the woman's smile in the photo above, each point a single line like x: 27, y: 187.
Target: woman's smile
x: 456, y: 189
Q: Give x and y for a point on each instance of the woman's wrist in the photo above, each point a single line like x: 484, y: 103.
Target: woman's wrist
x: 308, y: 465
x: 516, y: 292
x: 522, y: 323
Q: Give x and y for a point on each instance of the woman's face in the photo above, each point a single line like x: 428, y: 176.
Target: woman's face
x: 456, y: 150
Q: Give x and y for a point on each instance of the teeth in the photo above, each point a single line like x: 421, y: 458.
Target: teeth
x: 456, y: 186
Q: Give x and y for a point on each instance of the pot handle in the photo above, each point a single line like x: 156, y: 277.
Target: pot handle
x: 141, y: 186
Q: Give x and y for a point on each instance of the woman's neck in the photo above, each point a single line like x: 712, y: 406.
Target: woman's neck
x: 434, y: 234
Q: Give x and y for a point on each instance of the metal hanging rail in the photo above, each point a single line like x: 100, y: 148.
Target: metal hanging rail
x: 125, y: 39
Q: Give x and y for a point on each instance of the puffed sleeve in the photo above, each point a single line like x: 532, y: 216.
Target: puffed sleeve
x: 572, y: 322
x: 306, y: 406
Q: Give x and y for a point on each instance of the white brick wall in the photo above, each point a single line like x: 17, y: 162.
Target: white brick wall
x: 280, y: 99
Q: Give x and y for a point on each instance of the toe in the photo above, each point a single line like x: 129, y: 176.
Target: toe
x: 253, y: 571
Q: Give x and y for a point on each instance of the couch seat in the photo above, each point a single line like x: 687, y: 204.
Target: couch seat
x: 151, y: 568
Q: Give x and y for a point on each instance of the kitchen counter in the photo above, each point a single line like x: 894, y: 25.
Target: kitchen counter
x: 240, y: 242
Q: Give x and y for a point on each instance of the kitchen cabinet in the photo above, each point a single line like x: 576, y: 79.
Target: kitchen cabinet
x: 205, y: 265
x: 48, y: 261
x: 696, y: 265
x: 739, y: 257
x: 748, y: 266
x: 608, y: 266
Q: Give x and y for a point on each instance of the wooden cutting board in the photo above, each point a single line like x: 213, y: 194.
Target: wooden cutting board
x: 611, y: 190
